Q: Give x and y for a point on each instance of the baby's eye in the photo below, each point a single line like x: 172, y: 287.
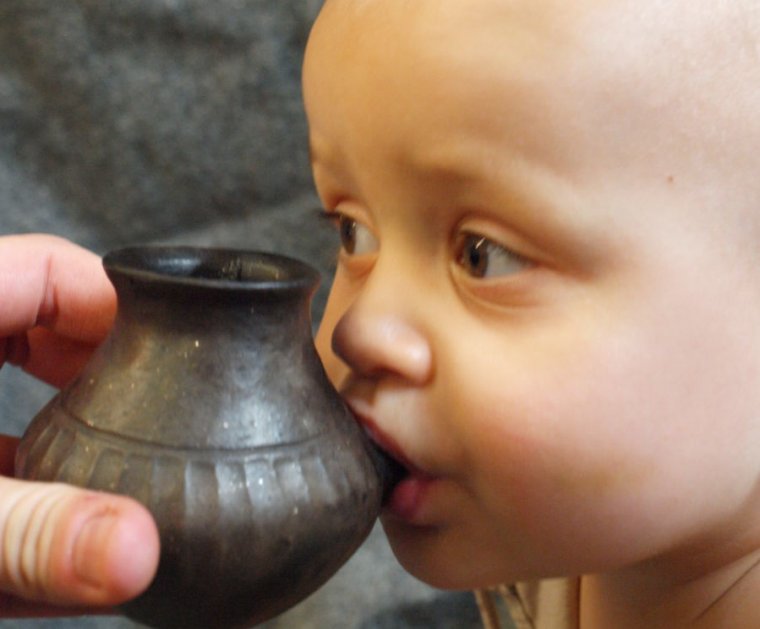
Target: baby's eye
x: 483, y: 258
x: 355, y: 237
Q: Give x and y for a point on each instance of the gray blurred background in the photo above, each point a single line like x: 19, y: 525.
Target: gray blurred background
x: 135, y: 121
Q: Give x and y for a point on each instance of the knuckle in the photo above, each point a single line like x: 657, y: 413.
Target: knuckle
x: 28, y: 523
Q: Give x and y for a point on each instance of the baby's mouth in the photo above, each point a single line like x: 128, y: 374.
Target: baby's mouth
x: 388, y: 459
x: 405, y: 485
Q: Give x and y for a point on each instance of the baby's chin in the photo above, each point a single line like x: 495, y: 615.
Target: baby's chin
x: 427, y: 554
x: 441, y: 555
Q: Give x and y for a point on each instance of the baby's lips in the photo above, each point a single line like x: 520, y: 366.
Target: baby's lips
x: 388, y: 462
x: 390, y: 470
x: 406, y: 499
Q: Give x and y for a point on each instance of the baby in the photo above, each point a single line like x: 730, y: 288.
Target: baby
x: 547, y: 301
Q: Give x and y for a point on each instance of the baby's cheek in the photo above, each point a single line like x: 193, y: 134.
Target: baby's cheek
x: 539, y: 449
x: 334, y: 367
x: 509, y: 472
x: 322, y: 341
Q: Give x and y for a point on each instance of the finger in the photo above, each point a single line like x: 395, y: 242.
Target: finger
x: 8, y: 447
x: 66, y: 546
x: 51, y: 358
x: 49, y: 281
x: 14, y: 607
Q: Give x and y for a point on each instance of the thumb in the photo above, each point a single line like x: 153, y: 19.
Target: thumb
x: 68, y: 546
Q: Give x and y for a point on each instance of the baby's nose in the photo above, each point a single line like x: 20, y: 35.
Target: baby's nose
x: 375, y: 342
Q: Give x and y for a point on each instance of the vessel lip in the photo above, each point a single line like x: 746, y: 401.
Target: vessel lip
x: 217, y: 268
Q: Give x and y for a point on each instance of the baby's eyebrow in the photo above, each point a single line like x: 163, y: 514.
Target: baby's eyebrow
x: 321, y: 150
x: 455, y: 172
x: 313, y: 152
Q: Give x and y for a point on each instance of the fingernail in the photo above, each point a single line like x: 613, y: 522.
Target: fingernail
x: 89, y: 548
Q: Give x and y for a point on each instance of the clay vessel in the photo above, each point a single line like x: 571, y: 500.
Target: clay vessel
x: 208, y: 404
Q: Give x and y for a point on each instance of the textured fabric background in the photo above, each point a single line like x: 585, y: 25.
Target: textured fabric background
x: 133, y: 121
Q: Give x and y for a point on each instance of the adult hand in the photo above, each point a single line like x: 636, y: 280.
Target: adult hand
x: 61, y: 546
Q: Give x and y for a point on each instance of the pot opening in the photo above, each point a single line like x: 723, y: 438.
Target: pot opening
x: 207, y: 266
x: 233, y: 269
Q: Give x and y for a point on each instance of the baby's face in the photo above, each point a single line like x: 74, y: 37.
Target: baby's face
x: 546, y: 303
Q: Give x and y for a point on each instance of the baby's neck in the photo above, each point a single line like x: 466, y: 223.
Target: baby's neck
x: 636, y: 598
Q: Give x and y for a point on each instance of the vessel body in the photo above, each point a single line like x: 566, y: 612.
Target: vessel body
x: 209, y: 405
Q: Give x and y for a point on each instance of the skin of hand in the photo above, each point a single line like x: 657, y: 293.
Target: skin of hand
x: 547, y: 300
x: 62, y: 549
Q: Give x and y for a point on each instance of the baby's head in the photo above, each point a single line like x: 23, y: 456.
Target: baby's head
x: 548, y: 298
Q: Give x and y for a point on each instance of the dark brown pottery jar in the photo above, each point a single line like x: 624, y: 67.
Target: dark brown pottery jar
x: 208, y: 404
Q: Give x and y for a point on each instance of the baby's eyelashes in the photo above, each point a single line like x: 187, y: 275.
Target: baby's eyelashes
x: 355, y: 237
x: 481, y: 257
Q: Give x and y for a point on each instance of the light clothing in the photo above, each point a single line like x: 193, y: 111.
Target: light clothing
x: 546, y: 604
